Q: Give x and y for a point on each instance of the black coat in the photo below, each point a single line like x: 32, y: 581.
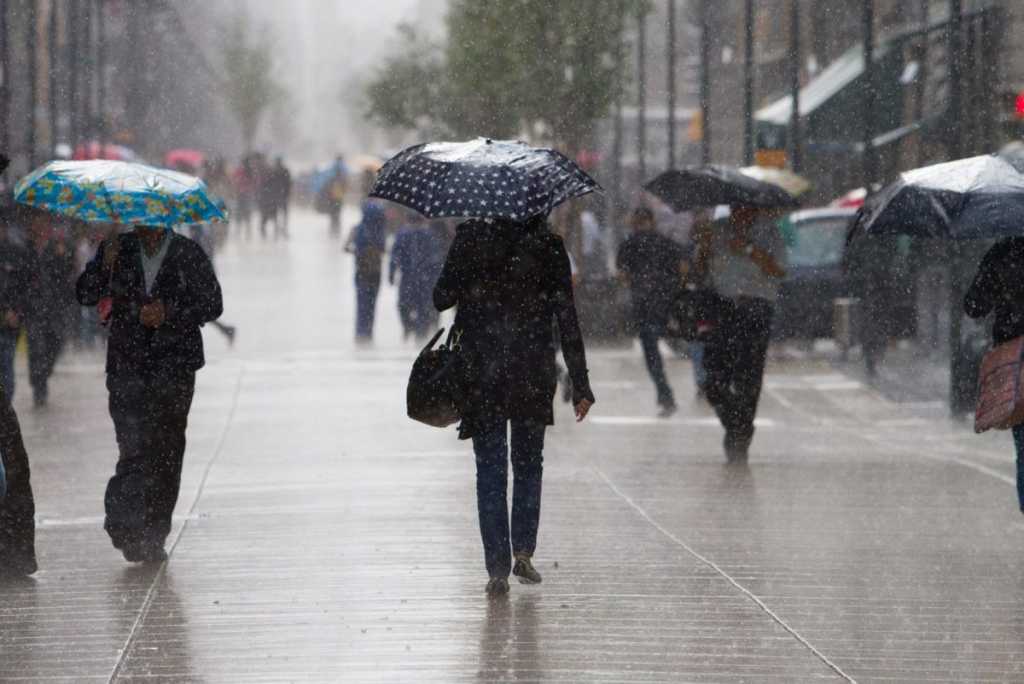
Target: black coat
x: 48, y: 286
x: 13, y: 282
x: 188, y: 289
x: 651, y: 262
x: 510, y: 285
x: 999, y: 286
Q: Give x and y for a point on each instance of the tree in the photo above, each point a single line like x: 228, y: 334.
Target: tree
x: 249, y: 88
x: 546, y: 69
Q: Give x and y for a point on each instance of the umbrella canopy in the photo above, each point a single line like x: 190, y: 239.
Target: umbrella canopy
x: 185, y: 157
x: 708, y: 186
x: 119, y: 192
x: 793, y: 183
x: 481, y: 178
x: 975, y: 198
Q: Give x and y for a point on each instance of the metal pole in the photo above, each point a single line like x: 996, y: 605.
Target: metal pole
x: 641, y: 94
x: 615, y: 196
x: 671, y: 70
x: 869, y: 159
x: 921, y: 87
x: 794, y: 85
x: 705, y: 83
x: 955, y: 78
x: 955, y: 259
x: 5, y: 85
x: 53, y: 60
x: 748, y: 83
x: 101, y: 68
x: 74, y: 73
x: 33, y: 76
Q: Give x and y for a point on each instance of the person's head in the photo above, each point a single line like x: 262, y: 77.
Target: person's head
x: 150, y: 236
x: 642, y: 219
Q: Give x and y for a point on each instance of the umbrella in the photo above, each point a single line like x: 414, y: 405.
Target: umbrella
x: 708, y: 186
x: 481, y: 178
x: 975, y: 198
x: 184, y: 157
x: 96, y: 150
x: 854, y: 199
x: 119, y: 192
x: 793, y: 183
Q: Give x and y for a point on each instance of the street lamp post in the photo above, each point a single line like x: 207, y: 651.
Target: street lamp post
x: 869, y: 159
x: 748, y: 83
x: 794, y: 84
x: 641, y: 93
x: 705, y: 83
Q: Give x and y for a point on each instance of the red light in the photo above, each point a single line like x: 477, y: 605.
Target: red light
x: 1019, y: 106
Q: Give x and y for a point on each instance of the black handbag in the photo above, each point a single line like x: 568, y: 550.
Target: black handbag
x: 432, y: 396
x: 696, y: 312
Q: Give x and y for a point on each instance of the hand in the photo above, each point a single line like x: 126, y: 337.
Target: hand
x: 152, y: 315
x: 582, y: 409
x: 111, y: 250
x: 11, y: 319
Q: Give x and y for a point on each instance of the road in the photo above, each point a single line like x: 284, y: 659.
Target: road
x: 322, y: 536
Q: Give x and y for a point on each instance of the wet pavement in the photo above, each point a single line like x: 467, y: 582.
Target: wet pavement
x: 322, y: 536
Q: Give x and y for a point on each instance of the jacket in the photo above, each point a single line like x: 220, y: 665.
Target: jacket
x: 509, y: 285
x: 186, y: 285
x: 999, y: 287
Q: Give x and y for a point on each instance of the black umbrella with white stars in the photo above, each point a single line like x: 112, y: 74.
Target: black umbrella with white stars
x: 482, y: 178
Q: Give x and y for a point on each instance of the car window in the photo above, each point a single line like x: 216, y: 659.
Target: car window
x: 817, y: 242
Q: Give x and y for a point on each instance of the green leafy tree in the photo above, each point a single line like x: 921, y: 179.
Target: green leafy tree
x: 248, y: 64
x: 406, y: 91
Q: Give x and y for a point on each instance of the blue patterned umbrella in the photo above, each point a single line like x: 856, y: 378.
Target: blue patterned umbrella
x: 481, y: 178
x: 120, y: 192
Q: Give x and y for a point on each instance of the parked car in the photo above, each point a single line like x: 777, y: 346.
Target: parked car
x: 815, y: 244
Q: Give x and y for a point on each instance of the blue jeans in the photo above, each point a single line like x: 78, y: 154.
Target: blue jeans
x: 649, y: 334
x: 1018, y: 442
x: 492, y: 456
x: 700, y: 375
x: 8, y: 344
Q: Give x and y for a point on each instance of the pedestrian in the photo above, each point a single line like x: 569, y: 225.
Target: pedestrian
x: 13, y: 290
x: 653, y: 266
x: 281, y: 184
x: 367, y: 242
x: 508, y: 282
x: 266, y: 196
x: 246, y: 184
x: 47, y: 299
x: 163, y: 290
x: 414, y: 254
x: 998, y: 288
x: 872, y: 268
x: 745, y: 262
x: 332, y: 194
x: 17, y: 506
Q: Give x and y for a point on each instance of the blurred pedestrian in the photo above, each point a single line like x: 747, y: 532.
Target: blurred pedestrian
x: 246, y: 184
x: 332, y: 194
x: 281, y: 187
x: 13, y: 290
x: 745, y: 262
x: 47, y: 300
x: 508, y: 281
x: 414, y: 255
x: 17, y: 506
x: 998, y: 288
x: 163, y: 290
x: 368, y: 242
x: 871, y: 265
x: 653, y: 267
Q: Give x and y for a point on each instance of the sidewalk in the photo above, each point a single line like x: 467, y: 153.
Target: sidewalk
x: 322, y: 536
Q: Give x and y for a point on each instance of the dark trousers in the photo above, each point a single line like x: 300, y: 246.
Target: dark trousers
x: 150, y: 413
x: 734, y: 360
x: 366, y: 305
x: 17, y: 508
x: 492, y: 456
x: 649, y: 335
x: 8, y: 346
x: 417, y: 312
x: 1018, y: 443
x: 45, y: 340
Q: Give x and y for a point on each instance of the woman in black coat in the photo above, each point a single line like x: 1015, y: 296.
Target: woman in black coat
x: 998, y: 288
x: 509, y: 281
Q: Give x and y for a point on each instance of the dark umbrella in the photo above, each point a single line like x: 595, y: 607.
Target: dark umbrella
x: 481, y: 178
x: 968, y: 199
x: 709, y: 186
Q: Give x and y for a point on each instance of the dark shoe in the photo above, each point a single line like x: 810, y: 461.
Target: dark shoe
x: 230, y: 332
x: 667, y: 410
x: 497, y: 586
x: 524, y: 570
x: 144, y: 553
x: 736, y: 447
x: 17, y: 567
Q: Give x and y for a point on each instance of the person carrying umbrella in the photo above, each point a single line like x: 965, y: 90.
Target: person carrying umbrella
x: 508, y: 276
x: 744, y: 263
x: 155, y: 289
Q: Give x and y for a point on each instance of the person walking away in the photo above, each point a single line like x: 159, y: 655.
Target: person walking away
x: 653, y: 267
x: 245, y: 182
x: 413, y: 254
x: 508, y: 282
x: 998, y: 289
x: 871, y: 265
x: 17, y: 506
x: 334, y: 194
x: 47, y: 297
x: 367, y: 243
x: 163, y: 289
x: 281, y: 184
x: 745, y: 263
x: 13, y: 290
